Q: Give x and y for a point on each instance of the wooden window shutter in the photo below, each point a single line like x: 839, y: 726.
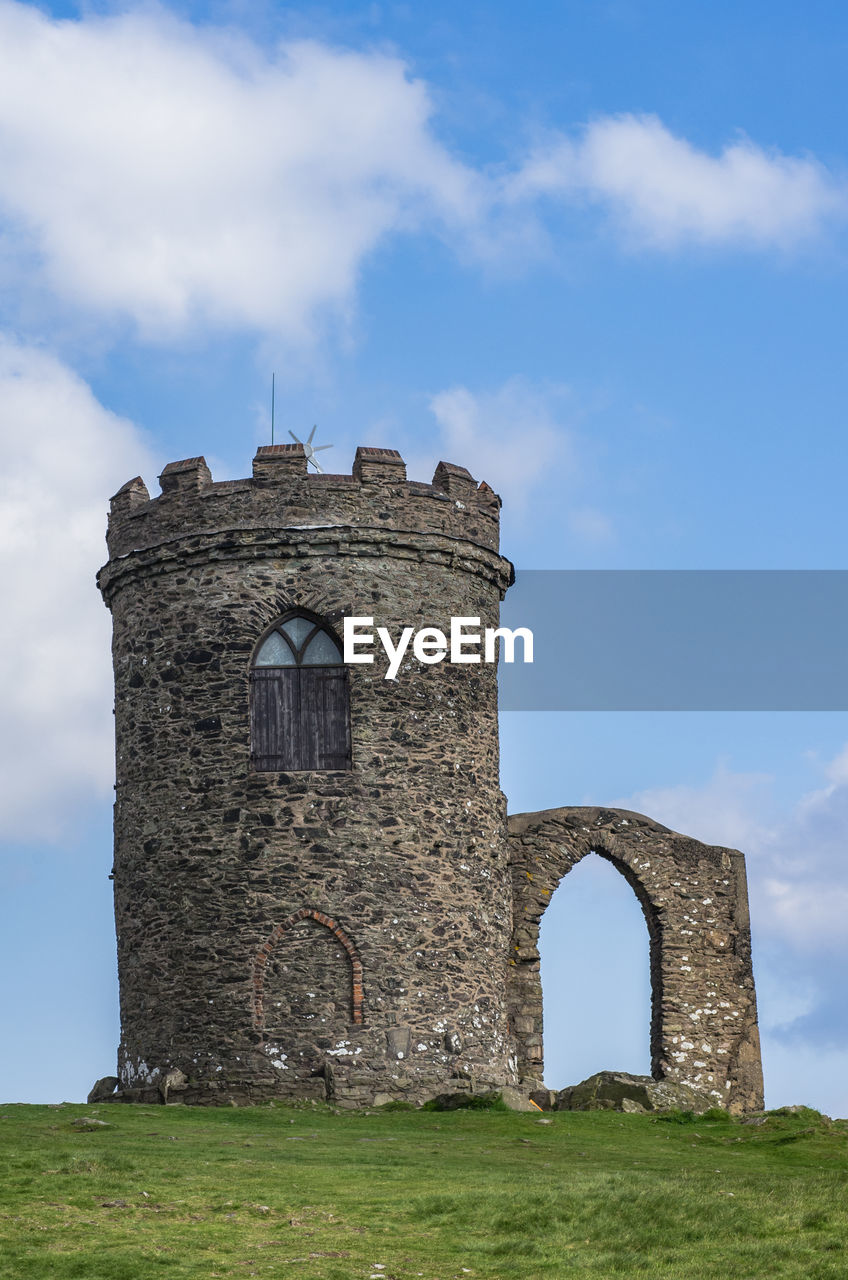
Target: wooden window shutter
x: 275, y: 719
x: 299, y: 716
x: 333, y: 715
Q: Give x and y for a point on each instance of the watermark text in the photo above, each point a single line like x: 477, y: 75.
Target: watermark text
x: 466, y: 643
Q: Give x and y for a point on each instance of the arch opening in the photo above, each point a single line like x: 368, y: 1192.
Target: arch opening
x: 307, y: 996
x: 304, y: 924
x: 299, y: 697
x: 596, y: 973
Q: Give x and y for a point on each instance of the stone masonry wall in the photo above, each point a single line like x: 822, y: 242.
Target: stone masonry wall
x: 372, y: 933
x: 695, y: 900
x: 306, y: 997
x: 405, y: 855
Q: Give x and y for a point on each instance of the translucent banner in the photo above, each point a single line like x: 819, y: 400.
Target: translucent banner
x: 679, y: 640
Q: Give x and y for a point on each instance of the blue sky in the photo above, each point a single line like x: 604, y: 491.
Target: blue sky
x: 594, y: 252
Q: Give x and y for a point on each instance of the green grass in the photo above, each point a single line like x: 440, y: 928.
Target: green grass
x: 177, y: 1192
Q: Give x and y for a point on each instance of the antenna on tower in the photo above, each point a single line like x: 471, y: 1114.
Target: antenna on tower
x: 272, y: 407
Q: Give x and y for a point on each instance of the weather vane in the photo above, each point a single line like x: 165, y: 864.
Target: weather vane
x: 310, y: 450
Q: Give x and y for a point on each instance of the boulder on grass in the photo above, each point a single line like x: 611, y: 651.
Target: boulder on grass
x: 103, y: 1089
x: 516, y: 1099
x: 173, y: 1081
x: 489, y: 1100
x: 619, y: 1091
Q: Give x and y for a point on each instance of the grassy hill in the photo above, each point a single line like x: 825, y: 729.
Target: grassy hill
x: 174, y: 1192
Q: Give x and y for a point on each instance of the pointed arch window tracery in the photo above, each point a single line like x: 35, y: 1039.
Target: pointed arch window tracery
x: 299, y: 698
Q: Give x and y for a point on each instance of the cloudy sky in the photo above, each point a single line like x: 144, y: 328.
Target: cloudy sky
x: 594, y: 252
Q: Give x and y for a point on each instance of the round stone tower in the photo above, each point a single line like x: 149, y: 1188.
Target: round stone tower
x: 311, y: 883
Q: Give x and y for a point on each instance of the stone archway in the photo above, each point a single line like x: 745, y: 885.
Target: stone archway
x: 594, y: 948
x: 695, y: 900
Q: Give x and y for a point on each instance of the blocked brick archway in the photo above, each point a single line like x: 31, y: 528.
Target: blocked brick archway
x: 267, y: 948
x: 695, y: 900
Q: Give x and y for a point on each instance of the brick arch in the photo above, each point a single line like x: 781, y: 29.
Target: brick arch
x: 321, y: 602
x: 261, y: 959
x: 695, y: 901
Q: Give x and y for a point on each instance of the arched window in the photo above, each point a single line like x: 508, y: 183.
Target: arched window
x: 299, y: 703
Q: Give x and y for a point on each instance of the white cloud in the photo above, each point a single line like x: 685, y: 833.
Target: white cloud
x: 798, y: 889
x: 809, y: 913
x: 591, y: 525
x: 63, y: 454
x: 837, y: 770
x: 663, y: 191
x: 730, y: 809
x: 797, y: 869
x: 510, y: 437
x: 181, y: 177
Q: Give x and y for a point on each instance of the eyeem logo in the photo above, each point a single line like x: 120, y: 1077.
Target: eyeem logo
x: 432, y: 645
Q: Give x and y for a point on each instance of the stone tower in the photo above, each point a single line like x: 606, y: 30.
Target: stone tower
x: 327, y: 924
x: 317, y: 891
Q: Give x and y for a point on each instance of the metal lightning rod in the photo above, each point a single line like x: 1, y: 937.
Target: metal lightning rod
x: 272, y: 407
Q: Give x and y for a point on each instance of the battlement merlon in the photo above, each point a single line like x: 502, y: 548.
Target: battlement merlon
x: 283, y: 494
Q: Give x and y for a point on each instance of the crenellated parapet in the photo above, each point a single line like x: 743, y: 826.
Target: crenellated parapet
x: 283, y: 495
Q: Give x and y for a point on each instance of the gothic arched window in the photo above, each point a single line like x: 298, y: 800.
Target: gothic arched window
x: 299, y: 701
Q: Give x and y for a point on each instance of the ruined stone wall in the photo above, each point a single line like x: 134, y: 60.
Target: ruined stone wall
x: 373, y: 905
x: 695, y: 900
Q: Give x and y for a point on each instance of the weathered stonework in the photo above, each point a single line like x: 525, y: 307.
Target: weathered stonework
x: 695, y: 900
x: 368, y: 933
x: 353, y: 924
